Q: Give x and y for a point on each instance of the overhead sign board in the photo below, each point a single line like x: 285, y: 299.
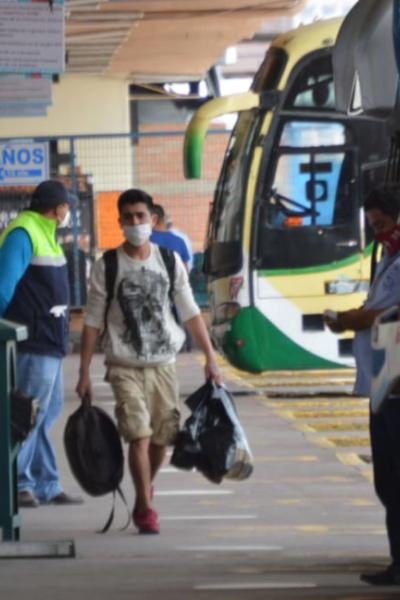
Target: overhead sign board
x: 23, y: 111
x: 23, y: 162
x: 32, y: 37
x: 24, y: 90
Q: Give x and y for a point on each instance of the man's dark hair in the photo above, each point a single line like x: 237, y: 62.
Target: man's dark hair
x: 134, y: 196
x: 386, y: 198
x: 159, y: 212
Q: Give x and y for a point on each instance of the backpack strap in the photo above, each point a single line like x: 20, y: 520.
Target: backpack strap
x: 111, y: 268
x: 111, y: 516
x: 168, y: 257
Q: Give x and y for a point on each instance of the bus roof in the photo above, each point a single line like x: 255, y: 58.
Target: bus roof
x: 308, y: 38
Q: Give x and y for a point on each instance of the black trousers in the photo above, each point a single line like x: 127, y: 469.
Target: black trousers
x: 385, y: 443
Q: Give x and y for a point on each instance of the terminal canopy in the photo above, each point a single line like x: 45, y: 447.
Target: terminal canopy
x: 364, y: 62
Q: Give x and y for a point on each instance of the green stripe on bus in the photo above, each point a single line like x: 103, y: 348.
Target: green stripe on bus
x: 255, y: 344
x: 339, y: 264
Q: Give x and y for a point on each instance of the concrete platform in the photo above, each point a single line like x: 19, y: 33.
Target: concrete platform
x: 303, y: 526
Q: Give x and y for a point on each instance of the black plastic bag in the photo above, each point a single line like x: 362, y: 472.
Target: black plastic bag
x: 212, y: 439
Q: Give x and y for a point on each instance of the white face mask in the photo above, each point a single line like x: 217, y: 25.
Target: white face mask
x: 137, y: 235
x: 66, y: 220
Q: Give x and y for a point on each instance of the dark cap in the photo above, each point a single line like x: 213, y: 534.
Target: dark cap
x: 51, y: 193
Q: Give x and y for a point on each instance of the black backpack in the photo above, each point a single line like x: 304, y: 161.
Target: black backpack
x: 94, y: 452
x: 111, y: 269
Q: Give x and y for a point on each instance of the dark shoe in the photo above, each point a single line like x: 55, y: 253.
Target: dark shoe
x: 63, y: 498
x: 27, y: 500
x: 389, y: 576
x: 147, y: 521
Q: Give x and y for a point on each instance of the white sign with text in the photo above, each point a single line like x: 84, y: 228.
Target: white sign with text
x: 31, y: 37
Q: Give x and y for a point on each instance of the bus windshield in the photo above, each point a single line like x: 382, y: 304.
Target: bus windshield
x: 308, y: 197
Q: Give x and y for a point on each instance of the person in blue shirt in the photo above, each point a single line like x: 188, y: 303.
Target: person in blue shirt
x: 166, y: 238
x: 382, y: 209
x: 34, y: 290
x: 186, y: 239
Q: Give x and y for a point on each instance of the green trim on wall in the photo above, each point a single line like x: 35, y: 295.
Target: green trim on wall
x: 262, y: 346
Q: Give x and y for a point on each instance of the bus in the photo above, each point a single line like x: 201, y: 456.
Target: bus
x: 287, y: 237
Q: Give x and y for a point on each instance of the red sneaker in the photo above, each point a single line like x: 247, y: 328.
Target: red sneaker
x: 147, y: 521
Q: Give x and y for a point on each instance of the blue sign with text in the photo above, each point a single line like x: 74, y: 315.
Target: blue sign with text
x: 23, y: 163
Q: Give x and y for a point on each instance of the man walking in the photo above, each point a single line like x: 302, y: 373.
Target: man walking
x: 382, y: 209
x: 140, y: 343
x: 34, y: 291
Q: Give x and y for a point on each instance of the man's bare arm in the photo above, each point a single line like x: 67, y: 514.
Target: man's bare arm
x: 88, y: 345
x: 354, y: 320
x: 198, y: 330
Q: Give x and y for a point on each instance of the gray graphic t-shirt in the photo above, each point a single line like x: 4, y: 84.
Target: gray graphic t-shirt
x: 141, y: 327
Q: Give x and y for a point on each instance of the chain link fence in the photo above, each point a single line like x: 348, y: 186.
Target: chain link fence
x: 99, y: 167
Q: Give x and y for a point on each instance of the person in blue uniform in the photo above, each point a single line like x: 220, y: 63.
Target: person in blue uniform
x: 34, y: 290
x: 382, y: 208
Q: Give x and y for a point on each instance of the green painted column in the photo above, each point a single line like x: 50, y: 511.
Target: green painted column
x: 10, y: 334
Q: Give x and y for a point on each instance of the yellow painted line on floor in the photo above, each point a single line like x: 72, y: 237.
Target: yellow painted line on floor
x: 368, y: 474
x: 306, y: 373
x: 304, y: 428
x: 290, y: 385
x: 339, y: 426
x: 307, y: 528
x: 313, y: 528
x: 304, y: 480
x: 350, y: 442
x: 287, y: 458
x: 227, y: 371
x: 319, y: 403
x: 361, y: 502
x: 247, y: 570
x: 284, y: 377
x: 331, y: 500
x: 350, y: 459
x: 315, y: 568
x: 353, y: 460
x: 316, y: 414
x: 320, y: 441
x: 290, y: 501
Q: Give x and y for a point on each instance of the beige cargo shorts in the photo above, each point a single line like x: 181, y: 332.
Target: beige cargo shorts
x: 146, y: 402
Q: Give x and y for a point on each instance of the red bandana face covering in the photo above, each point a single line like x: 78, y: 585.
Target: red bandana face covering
x: 390, y: 239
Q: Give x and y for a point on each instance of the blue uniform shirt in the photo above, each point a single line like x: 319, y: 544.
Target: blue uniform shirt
x: 384, y: 293
x: 15, y: 257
